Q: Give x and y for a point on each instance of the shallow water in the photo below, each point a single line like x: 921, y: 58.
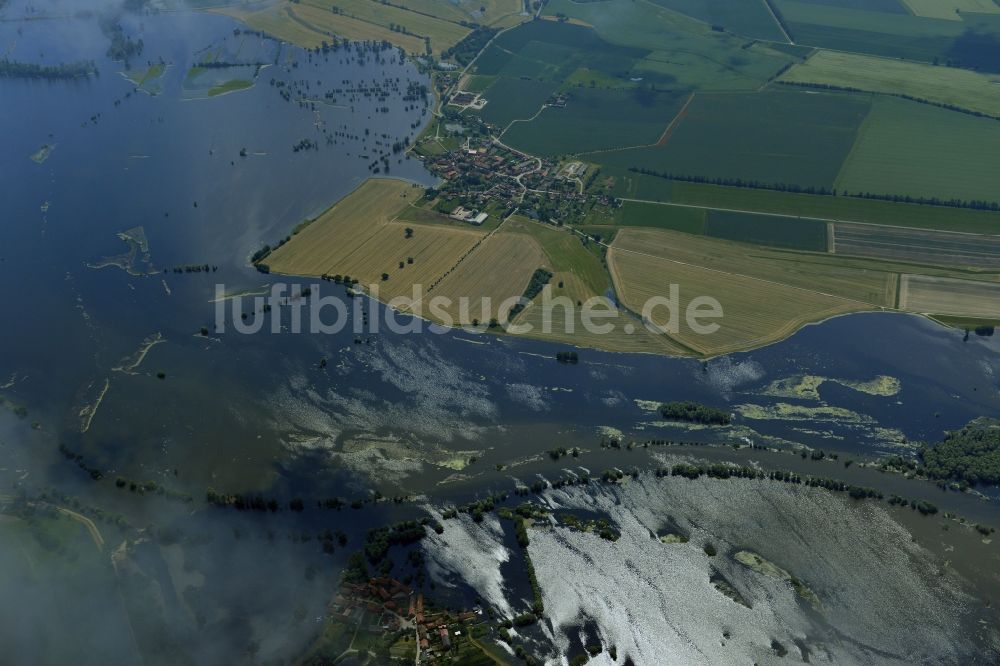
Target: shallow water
x: 241, y: 411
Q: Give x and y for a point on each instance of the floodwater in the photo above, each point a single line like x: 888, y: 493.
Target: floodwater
x: 238, y: 409
x: 407, y: 413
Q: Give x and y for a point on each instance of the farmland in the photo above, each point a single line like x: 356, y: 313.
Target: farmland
x: 312, y: 22
x: 771, y: 138
x: 595, y: 119
x: 470, y: 11
x: 498, y: 269
x: 698, y: 58
x: 756, y: 311
x: 955, y: 157
x: 767, y: 230
x: 766, y: 293
x: 951, y: 10
x: 746, y: 18
x: 578, y: 274
x: 967, y: 298
x: 942, y: 85
x: 358, y: 238
x: 860, y: 281
x: 635, y: 214
x: 277, y: 21
x: 568, y: 257
x: 442, y: 34
x: 855, y: 27
x: 773, y: 193
x: 826, y: 208
x: 510, y: 99
x: 926, y: 247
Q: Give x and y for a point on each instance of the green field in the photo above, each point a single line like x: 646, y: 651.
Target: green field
x: 532, y: 61
x: 510, y: 99
x: 230, y: 86
x: 942, y: 85
x: 475, y: 83
x: 680, y: 52
x: 553, y: 50
x: 688, y: 220
x: 754, y: 228
x: 880, y: 28
x: 862, y: 30
x: 772, y: 138
x: 922, y: 151
x: 596, y: 119
x: 773, y: 231
x: 746, y: 18
x: 838, y: 208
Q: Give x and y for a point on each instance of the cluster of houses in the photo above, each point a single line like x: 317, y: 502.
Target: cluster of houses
x: 382, y: 598
x: 389, y: 606
x: 436, y: 628
x: 483, y: 173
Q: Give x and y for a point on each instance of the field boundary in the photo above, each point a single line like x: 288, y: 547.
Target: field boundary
x: 718, y: 271
x: 796, y: 217
x: 677, y: 120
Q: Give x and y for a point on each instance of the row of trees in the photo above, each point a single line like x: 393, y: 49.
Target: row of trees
x: 466, y: 50
x: 733, y: 182
x: 921, y: 100
x: 974, y: 204
x: 15, y: 69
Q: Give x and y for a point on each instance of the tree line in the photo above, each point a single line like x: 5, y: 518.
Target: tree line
x: 912, y: 98
x: 15, y: 69
x: 974, y: 204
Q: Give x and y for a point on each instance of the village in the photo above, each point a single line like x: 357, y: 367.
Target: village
x: 483, y: 177
x: 390, y: 613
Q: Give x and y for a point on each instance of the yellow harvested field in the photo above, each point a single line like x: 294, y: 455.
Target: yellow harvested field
x: 443, y: 34
x: 278, y: 22
x: 442, y: 9
x: 457, y: 11
x: 947, y: 296
x: 311, y: 22
x: 507, y: 10
x: 945, y: 85
x: 498, y: 269
x: 309, y: 27
x: 951, y: 10
x: 866, y: 280
x: 325, y: 21
x: 756, y: 311
x: 577, y: 277
x: 358, y: 237
x: 571, y: 263
x: 627, y: 334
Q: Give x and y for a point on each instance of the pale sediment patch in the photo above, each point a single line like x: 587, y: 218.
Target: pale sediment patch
x: 806, y: 387
x: 647, y: 405
x: 610, y: 432
x: 784, y: 411
x: 131, y: 363
x: 89, y: 410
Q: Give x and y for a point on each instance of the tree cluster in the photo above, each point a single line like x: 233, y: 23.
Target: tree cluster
x: 970, y: 455
x: 693, y: 412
